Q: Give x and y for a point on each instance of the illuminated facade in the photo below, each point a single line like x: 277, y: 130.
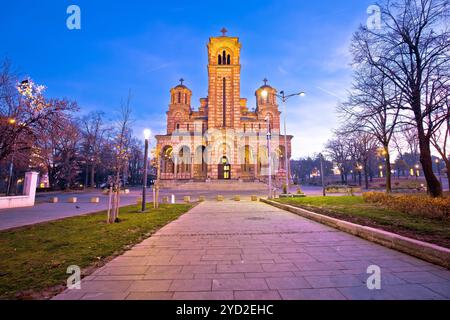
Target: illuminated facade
x: 223, y: 139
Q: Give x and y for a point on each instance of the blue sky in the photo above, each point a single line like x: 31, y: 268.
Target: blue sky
x: 146, y: 46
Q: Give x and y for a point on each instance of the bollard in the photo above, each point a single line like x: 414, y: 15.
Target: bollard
x: 237, y: 198
x: 201, y: 198
x: 72, y: 200
x: 172, y: 200
x: 254, y: 198
x: 54, y: 200
x: 95, y: 200
x: 219, y: 198
x: 187, y: 199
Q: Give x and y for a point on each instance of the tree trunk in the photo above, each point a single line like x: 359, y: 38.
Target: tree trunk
x: 433, y: 185
x: 388, y: 171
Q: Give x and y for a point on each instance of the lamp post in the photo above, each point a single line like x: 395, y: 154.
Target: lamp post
x: 147, y: 134
x: 322, y: 175
x: 12, y: 122
x: 284, y: 98
x: 269, y: 138
x: 360, y: 168
x: 417, y: 171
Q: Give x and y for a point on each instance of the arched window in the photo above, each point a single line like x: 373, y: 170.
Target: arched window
x: 228, y: 59
x: 187, y: 127
x: 179, y: 97
x: 185, y: 98
x: 224, y: 57
x: 220, y: 60
x: 177, y: 126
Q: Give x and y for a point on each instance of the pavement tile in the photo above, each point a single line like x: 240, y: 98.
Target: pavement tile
x: 312, y: 294
x: 204, y: 295
x: 419, y: 277
x: 239, y: 268
x: 287, y: 283
x: 257, y: 295
x: 191, y: 285
x: 334, y: 281
x: 105, y: 296
x: 149, y: 296
x: 239, y: 284
x: 150, y: 285
x: 442, y: 288
x: 105, y: 286
x: 279, y: 267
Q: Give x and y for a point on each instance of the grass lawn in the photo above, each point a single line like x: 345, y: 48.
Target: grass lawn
x: 34, y: 260
x: 354, y: 209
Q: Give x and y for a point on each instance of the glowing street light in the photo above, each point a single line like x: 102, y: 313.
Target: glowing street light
x: 284, y: 98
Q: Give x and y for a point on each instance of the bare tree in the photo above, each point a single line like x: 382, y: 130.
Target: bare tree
x: 373, y: 107
x: 121, y: 150
x: 94, y: 134
x: 441, y: 142
x: 412, y: 51
x: 338, y: 151
x: 24, y: 112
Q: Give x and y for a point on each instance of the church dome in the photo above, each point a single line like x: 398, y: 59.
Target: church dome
x: 181, y: 94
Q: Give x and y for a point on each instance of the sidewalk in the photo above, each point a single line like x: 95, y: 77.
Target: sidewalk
x: 44, y: 211
x: 248, y: 250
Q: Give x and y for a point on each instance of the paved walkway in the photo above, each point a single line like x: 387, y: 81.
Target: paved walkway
x: 245, y: 250
x: 44, y: 211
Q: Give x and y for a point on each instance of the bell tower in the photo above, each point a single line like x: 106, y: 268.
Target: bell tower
x: 224, y: 81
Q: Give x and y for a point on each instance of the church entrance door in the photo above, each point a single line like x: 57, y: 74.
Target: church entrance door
x: 224, y: 169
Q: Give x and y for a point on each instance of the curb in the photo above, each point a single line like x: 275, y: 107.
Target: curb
x: 419, y: 249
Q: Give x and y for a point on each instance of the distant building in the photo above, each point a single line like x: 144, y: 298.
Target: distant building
x: 223, y: 139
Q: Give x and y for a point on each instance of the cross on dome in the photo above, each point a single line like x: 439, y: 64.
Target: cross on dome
x: 224, y: 32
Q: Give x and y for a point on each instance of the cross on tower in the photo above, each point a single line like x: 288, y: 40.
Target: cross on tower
x: 224, y: 32
x: 181, y: 81
x: 265, y: 81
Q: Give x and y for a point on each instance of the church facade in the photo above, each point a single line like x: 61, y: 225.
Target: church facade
x: 223, y: 139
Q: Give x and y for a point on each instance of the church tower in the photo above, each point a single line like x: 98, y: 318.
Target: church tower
x: 224, y: 77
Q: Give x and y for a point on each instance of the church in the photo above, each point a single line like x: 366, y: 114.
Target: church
x: 223, y: 139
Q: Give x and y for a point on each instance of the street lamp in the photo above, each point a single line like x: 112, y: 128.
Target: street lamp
x: 381, y: 171
x: 147, y: 135
x: 360, y: 169
x: 322, y: 174
x: 284, y: 98
x: 438, y: 163
x: 269, y: 138
x: 417, y: 171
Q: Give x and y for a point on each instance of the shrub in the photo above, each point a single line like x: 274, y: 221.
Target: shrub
x: 414, y: 204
